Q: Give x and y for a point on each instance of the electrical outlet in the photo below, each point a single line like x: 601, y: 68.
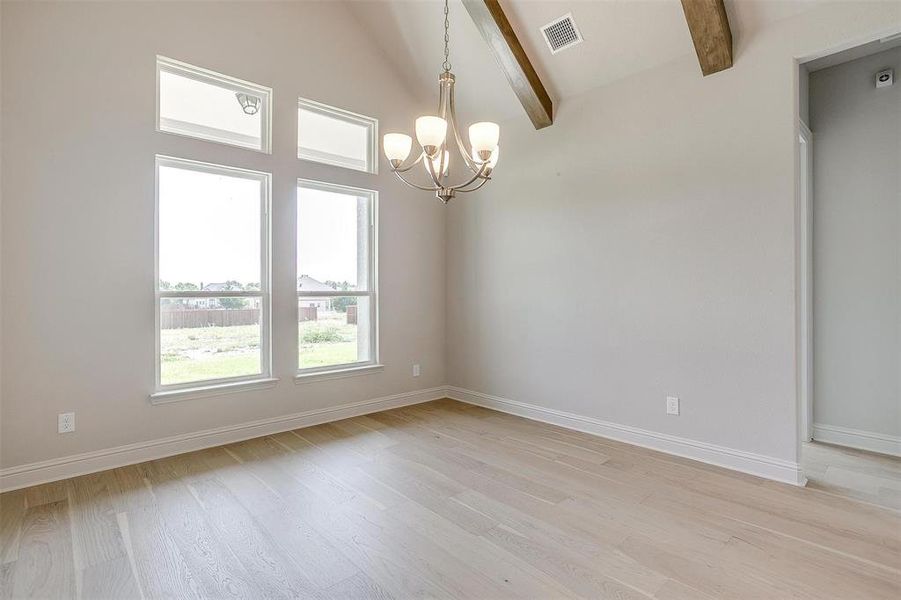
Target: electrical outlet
x: 66, y: 422
x: 672, y: 405
x: 416, y: 370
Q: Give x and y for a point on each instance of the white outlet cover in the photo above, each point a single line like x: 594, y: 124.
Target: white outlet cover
x: 66, y: 422
x: 672, y: 405
x: 416, y: 370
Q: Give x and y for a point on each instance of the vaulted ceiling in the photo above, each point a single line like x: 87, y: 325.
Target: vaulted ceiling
x: 622, y: 37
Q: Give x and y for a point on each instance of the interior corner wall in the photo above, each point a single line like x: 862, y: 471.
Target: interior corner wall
x: 645, y: 245
x: 78, y: 146
x: 857, y: 246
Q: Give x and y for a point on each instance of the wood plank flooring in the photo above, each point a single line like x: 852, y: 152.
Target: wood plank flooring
x: 870, y: 477
x: 440, y: 500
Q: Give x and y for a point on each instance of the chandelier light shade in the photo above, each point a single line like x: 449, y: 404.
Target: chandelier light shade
x: 430, y: 132
x: 397, y: 147
x: 435, y: 134
x: 483, y: 137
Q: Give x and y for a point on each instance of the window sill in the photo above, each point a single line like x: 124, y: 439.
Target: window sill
x: 302, y: 378
x: 212, y: 390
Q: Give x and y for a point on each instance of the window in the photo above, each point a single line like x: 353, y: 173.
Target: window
x: 199, y: 103
x: 336, y: 279
x: 336, y: 137
x: 212, y: 283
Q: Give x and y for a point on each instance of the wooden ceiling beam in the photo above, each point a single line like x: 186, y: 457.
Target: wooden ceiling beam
x: 494, y: 26
x: 710, y: 33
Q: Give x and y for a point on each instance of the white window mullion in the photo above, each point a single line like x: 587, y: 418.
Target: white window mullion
x: 332, y: 294
x: 208, y: 294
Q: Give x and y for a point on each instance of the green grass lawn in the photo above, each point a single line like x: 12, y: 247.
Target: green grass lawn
x: 215, y: 367
x: 320, y: 355
x: 199, y: 353
x: 328, y: 341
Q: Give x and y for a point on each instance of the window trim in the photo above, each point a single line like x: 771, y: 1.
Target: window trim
x: 372, y: 288
x: 349, y: 117
x: 207, y: 391
x: 264, y: 292
x: 343, y: 373
x: 196, y: 73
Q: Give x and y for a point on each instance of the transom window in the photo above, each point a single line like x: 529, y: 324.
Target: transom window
x: 336, y: 295
x: 204, y: 104
x: 212, y: 287
x: 333, y: 136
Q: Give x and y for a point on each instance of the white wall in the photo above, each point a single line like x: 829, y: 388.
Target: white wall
x: 77, y: 213
x: 857, y: 245
x: 644, y: 245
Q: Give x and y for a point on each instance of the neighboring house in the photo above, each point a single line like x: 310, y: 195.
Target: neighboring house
x: 210, y: 302
x: 305, y: 283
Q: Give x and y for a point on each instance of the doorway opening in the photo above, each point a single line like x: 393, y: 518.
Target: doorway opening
x: 849, y: 275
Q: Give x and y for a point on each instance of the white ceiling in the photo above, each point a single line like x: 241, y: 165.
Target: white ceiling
x: 622, y: 37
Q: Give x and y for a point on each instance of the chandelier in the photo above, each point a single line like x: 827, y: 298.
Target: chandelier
x: 435, y: 134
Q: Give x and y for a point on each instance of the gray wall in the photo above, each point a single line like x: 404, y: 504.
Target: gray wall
x: 804, y: 94
x: 857, y: 245
x: 77, y: 214
x: 644, y: 246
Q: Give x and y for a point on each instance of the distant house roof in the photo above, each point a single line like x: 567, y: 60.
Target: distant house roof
x: 305, y: 283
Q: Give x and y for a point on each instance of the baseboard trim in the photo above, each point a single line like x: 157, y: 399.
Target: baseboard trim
x: 755, y: 464
x: 856, y: 438
x: 738, y: 460
x: 13, y: 478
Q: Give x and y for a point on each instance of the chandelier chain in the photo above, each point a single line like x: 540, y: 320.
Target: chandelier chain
x: 446, y: 65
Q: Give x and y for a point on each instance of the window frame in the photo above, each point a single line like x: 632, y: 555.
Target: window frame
x: 348, y: 117
x: 372, y: 287
x: 264, y: 293
x: 236, y: 85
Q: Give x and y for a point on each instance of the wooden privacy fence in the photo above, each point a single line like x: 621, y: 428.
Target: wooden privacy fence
x: 213, y: 317
x: 223, y: 317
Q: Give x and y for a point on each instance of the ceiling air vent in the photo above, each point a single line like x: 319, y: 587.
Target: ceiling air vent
x: 561, y: 33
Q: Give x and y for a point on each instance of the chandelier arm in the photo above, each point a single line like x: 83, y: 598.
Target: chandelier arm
x: 430, y: 167
x: 452, y: 109
x: 445, y: 91
x: 480, y: 184
x: 445, y: 159
x: 470, y: 163
x: 415, y: 185
x: 411, y: 165
x: 479, y: 175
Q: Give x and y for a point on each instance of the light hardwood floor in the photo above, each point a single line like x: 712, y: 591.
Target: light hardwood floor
x: 870, y: 477
x: 440, y: 500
